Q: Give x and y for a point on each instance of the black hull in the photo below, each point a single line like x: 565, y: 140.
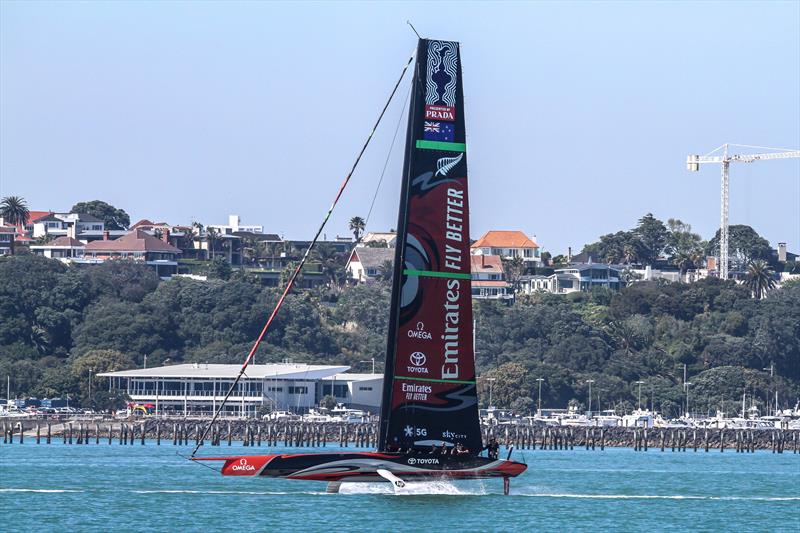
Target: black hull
x: 364, y: 466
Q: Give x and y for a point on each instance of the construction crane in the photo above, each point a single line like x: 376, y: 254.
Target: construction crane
x: 693, y: 163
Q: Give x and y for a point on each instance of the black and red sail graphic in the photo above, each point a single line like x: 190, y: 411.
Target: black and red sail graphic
x: 429, y: 393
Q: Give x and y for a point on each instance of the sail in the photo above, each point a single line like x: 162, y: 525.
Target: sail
x: 429, y: 393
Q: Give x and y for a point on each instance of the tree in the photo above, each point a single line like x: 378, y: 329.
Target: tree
x: 616, y: 247
x: 357, y: 226
x: 211, y: 238
x: 114, y: 218
x: 652, y: 234
x: 685, y: 248
x: 514, y: 269
x: 759, y: 278
x: 386, y: 271
x: 745, y: 245
x: 328, y: 401
x: 220, y: 269
x: 14, y: 210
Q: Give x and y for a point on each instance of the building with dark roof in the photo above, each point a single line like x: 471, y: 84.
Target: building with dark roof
x: 365, y: 263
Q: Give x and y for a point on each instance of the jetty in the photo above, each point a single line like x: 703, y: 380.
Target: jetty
x: 364, y: 435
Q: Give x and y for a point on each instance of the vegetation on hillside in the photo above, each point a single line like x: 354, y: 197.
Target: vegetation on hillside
x: 60, y: 325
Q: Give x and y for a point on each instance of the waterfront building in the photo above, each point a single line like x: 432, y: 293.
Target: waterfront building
x: 488, y: 278
x: 508, y: 245
x: 197, y: 389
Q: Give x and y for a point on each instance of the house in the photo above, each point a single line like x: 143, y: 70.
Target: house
x: 576, y: 277
x: 386, y: 239
x: 586, y: 276
x: 138, y: 246
x: 537, y: 283
x: 64, y: 248
x: 508, y: 245
x: 235, y: 224
x: 7, y: 234
x: 80, y: 226
x: 57, y: 224
x: 339, y: 244
x: 488, y: 278
x: 365, y: 263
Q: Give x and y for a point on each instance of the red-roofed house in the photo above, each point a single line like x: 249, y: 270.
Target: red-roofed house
x: 488, y: 278
x: 137, y: 245
x: 508, y: 245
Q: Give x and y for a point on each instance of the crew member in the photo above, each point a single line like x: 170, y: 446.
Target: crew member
x: 492, y: 449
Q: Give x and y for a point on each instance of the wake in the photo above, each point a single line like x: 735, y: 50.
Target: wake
x: 415, y: 488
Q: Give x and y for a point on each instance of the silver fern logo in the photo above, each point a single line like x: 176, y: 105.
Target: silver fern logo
x: 446, y: 164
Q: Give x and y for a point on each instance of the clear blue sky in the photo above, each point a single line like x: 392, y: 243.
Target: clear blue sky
x: 579, y: 115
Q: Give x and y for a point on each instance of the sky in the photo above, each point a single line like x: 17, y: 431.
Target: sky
x: 579, y: 115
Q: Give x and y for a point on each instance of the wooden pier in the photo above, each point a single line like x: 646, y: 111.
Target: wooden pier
x: 258, y: 433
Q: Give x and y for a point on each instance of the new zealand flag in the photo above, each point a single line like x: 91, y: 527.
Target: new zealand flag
x: 439, y: 131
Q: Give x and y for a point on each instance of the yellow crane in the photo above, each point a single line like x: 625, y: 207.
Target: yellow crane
x: 724, y: 158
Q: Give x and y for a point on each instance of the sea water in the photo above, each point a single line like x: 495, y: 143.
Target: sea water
x: 105, y: 487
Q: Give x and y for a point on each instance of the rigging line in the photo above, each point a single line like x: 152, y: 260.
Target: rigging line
x: 302, y: 262
x: 388, y: 156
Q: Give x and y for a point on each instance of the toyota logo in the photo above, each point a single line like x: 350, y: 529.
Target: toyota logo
x: 417, y: 358
x: 412, y: 461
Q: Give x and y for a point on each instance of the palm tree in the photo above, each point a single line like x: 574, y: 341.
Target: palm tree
x: 759, y: 278
x: 14, y: 210
x: 357, y: 226
x: 211, y: 236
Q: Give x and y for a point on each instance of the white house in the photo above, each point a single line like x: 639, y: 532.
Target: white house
x: 366, y: 263
x: 64, y: 248
x: 235, y: 224
x: 386, y: 238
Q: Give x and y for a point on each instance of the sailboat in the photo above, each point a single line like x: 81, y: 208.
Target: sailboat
x: 429, y: 405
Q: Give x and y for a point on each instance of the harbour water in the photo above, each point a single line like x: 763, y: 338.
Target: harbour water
x: 151, y: 488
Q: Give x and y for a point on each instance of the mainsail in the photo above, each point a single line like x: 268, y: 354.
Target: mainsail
x: 429, y: 393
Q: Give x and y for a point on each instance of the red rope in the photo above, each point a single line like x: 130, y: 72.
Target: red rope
x: 302, y: 262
